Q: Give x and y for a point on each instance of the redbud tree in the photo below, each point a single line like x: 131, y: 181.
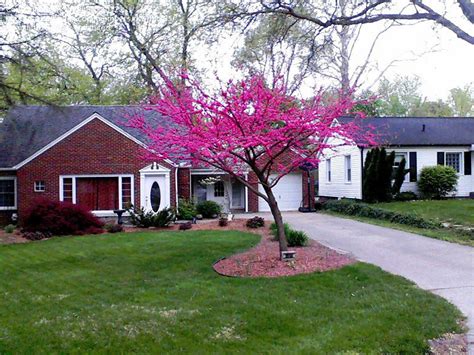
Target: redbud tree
x: 246, y: 127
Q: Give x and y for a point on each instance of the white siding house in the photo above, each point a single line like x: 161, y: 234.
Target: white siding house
x: 421, y: 141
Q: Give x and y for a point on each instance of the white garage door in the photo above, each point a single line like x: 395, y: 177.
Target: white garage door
x: 288, y: 192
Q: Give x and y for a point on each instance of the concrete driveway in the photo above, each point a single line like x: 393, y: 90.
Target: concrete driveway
x: 446, y: 269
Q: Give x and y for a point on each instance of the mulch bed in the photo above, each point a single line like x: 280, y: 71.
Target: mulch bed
x: 11, y: 238
x: 263, y: 260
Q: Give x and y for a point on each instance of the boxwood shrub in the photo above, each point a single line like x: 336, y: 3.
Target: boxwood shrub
x: 354, y: 208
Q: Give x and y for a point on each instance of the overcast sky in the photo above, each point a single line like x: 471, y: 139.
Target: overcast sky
x: 435, y: 54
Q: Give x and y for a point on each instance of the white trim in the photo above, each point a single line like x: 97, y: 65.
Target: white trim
x: 461, y: 161
x: 102, y: 213
x: 76, y: 128
x: 207, y: 172
x: 15, y: 201
x: 156, y: 169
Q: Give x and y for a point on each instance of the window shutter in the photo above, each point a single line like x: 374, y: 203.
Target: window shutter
x: 467, y: 163
x: 413, y: 163
x: 440, y: 158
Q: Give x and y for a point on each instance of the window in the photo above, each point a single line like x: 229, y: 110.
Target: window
x: 126, y: 192
x: 67, y: 190
x: 40, y: 186
x: 7, y: 193
x: 328, y: 169
x: 396, y: 163
x: 454, y: 160
x: 98, y: 192
x: 219, y: 189
x: 398, y: 159
x: 348, y: 168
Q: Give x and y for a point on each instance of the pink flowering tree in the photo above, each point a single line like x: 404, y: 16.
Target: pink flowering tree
x: 246, y: 127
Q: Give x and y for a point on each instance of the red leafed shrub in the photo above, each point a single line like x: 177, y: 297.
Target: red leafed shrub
x: 60, y: 218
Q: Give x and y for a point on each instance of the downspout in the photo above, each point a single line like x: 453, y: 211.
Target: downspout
x: 361, y: 172
x: 176, y: 186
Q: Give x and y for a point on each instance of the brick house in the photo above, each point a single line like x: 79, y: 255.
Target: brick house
x: 88, y: 155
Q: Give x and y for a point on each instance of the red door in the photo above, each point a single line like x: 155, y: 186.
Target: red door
x: 97, y: 194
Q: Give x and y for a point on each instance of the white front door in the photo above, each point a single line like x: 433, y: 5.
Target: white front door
x: 288, y: 193
x: 155, y: 194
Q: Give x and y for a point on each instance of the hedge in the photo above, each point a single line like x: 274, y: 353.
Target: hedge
x: 353, y: 208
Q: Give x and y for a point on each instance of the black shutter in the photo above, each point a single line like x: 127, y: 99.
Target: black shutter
x: 440, y: 158
x: 413, y: 172
x: 467, y: 163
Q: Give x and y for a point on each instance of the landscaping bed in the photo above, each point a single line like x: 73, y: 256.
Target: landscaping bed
x: 263, y: 260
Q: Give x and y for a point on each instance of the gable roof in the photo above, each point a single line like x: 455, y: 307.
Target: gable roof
x: 419, y: 131
x: 27, y: 130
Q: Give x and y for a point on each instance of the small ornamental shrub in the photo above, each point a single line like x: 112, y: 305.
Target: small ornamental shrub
x: 113, y: 228
x: 273, y: 230
x: 185, y: 226
x: 297, y: 238
x: 60, y: 218
x: 163, y: 218
x: 294, y: 238
x: 353, y: 208
x: 186, y: 209
x: 406, y: 196
x: 208, y: 209
x: 255, y: 222
x: 223, y: 222
x: 437, y: 181
x: 139, y: 217
x: 9, y: 228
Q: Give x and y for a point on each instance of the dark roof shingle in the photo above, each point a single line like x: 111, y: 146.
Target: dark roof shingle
x: 27, y: 129
x: 420, y: 131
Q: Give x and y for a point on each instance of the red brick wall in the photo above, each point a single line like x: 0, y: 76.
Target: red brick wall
x: 95, y: 148
x: 253, y: 198
x: 184, y: 183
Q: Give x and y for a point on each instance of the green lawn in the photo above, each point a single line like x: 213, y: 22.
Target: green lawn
x: 156, y: 292
x: 453, y: 211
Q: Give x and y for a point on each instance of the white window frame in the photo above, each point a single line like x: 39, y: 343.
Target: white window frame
x: 328, y: 170
x: 100, y: 213
x: 406, y: 155
x: 37, y: 185
x: 347, y: 167
x: 15, y: 191
x: 461, y: 161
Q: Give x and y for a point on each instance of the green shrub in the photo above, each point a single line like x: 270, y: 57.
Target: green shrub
x: 113, y: 228
x: 294, y: 238
x: 359, y: 209
x: 273, y: 230
x: 255, y: 222
x: 163, y: 218
x: 405, y: 196
x: 9, y: 228
x: 297, y: 238
x: 139, y: 217
x: 437, y: 181
x: 186, y: 209
x: 208, y: 209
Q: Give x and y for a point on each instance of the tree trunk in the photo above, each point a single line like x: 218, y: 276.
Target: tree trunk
x: 278, y: 219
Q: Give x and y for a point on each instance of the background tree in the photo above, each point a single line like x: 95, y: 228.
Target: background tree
x: 462, y: 101
x: 246, y: 126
